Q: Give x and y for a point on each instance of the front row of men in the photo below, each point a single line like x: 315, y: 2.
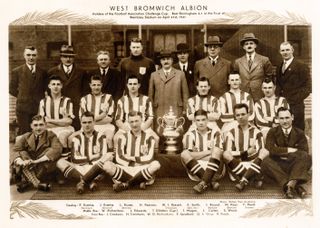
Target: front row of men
x: 285, y: 157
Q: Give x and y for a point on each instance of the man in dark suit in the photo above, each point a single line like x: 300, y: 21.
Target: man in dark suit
x: 28, y: 85
x: 112, y: 83
x: 35, y: 155
x: 214, y: 67
x: 293, y: 83
x: 186, y: 66
x: 289, y: 160
x: 252, y: 67
x: 73, y: 79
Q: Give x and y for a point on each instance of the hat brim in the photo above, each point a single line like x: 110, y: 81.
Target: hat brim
x: 67, y: 54
x: 249, y: 39
x: 219, y: 44
x: 165, y: 56
x: 182, y: 51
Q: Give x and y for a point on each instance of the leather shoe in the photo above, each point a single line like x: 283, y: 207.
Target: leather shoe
x: 93, y: 186
x: 241, y: 185
x: 258, y: 184
x: 44, y: 187
x: 302, y: 193
x: 23, y: 186
x: 289, y: 193
x: 80, y: 187
x: 215, y: 185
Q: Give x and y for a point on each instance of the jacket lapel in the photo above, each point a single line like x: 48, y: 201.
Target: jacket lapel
x: 244, y: 63
x: 218, y: 66
x: 172, y: 74
x: 31, y: 142
x: 256, y: 61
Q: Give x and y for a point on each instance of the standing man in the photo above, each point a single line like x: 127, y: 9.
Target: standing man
x: 168, y: 87
x: 293, y: 83
x: 89, y: 152
x: 36, y: 153
x: 73, y: 79
x: 28, y: 85
x: 253, y: 68
x: 186, y: 66
x: 266, y: 108
x: 289, y: 160
x: 202, y: 153
x: 214, y: 67
x: 137, y: 65
x: 135, y: 164
x: 244, y: 149
x: 112, y: 83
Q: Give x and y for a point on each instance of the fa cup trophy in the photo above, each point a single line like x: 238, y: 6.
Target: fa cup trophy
x: 171, y: 126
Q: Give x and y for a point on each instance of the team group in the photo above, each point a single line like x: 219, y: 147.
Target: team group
x: 82, y: 125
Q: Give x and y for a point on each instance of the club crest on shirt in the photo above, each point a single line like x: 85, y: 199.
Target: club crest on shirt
x: 142, y: 70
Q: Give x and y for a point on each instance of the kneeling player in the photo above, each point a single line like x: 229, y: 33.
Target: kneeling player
x: 244, y: 149
x: 203, y: 150
x: 134, y: 157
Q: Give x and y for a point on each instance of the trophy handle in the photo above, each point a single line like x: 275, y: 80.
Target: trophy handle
x: 181, y: 120
x: 160, y: 121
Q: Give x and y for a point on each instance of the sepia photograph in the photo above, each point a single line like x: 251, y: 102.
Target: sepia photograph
x: 160, y: 109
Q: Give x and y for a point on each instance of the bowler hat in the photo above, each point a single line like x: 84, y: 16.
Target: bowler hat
x: 67, y: 50
x: 182, y: 48
x: 213, y: 40
x: 247, y: 37
x: 164, y: 54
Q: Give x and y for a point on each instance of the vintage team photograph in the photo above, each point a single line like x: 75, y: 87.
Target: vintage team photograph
x: 178, y: 111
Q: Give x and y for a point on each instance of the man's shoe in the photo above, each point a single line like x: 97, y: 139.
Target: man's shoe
x: 289, y: 192
x: 80, y: 187
x: 215, y: 185
x: 44, y: 187
x: 143, y: 185
x: 93, y: 186
x: 119, y: 187
x: 302, y: 193
x: 201, y: 187
x: 23, y: 186
x: 241, y: 185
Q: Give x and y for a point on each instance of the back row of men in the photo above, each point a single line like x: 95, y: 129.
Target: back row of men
x: 172, y: 85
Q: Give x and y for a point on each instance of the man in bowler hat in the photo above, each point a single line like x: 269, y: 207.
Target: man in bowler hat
x: 252, y: 67
x: 214, y: 67
x: 73, y: 79
x: 184, y: 64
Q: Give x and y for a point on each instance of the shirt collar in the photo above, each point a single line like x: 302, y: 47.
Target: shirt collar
x: 29, y: 66
x: 252, y: 56
x: 106, y: 69
x: 214, y: 59
x: 288, y: 62
x: 288, y: 129
x: 65, y: 68
x: 183, y: 64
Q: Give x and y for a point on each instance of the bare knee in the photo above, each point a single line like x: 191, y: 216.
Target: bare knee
x: 109, y: 167
x: 217, y: 153
x: 154, y: 166
x: 186, y: 156
x: 227, y: 156
x: 263, y: 153
x: 62, y: 164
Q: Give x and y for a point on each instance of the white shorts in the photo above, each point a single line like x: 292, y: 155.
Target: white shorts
x: 133, y: 170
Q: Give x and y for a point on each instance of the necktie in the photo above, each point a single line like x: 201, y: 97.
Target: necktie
x: 250, y: 62
x: 213, y: 62
x: 68, y: 71
x: 166, y: 74
x: 184, y: 68
x: 36, y: 141
x: 32, y: 69
x: 286, y: 133
x: 284, y: 67
x: 103, y: 72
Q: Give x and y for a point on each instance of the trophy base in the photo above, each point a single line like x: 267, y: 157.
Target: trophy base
x: 171, y: 146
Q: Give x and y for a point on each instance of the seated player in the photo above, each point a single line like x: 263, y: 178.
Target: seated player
x: 89, y: 152
x: 289, y: 161
x: 58, y: 112
x: 203, y: 100
x: 244, y: 149
x: 36, y: 154
x: 230, y: 99
x: 135, y: 164
x: 134, y: 102
x: 101, y: 105
x: 202, y: 153
x: 267, y: 107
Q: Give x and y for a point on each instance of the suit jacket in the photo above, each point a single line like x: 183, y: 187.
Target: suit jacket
x: 74, y: 86
x: 112, y: 83
x: 278, y: 144
x: 48, y: 145
x: 27, y: 88
x: 189, y: 77
x: 217, y: 74
x: 252, y: 79
x: 171, y: 91
x: 295, y: 83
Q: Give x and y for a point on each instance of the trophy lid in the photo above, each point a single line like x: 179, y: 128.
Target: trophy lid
x: 171, y: 114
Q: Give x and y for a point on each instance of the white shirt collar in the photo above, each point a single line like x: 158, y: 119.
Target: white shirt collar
x: 65, y: 68
x: 167, y: 71
x: 34, y: 67
x: 106, y: 69
x: 288, y: 62
x: 214, y: 59
x: 252, y: 56
x: 288, y: 129
x: 183, y: 64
